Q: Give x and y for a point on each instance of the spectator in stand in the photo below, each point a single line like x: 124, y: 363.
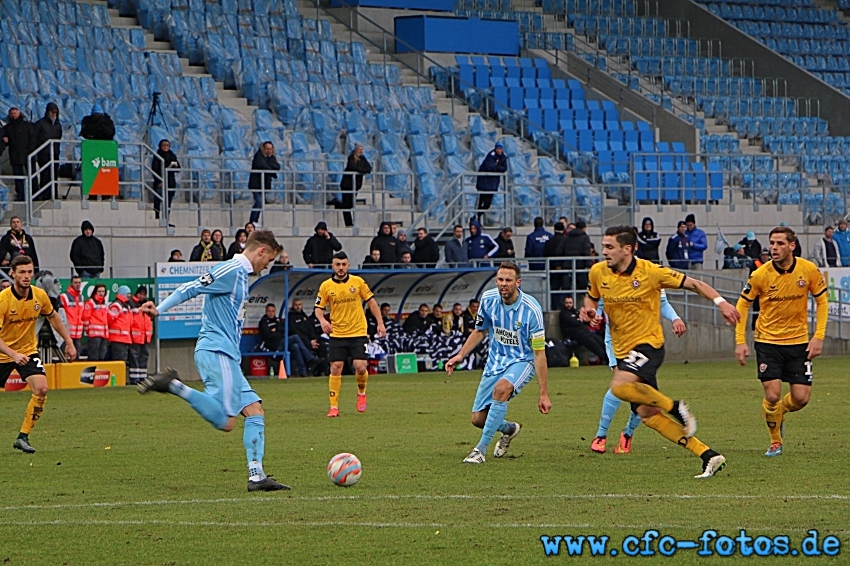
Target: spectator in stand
x: 386, y: 244
x: 535, y: 243
x: 825, y: 252
x: 453, y: 320
x: 167, y: 159
x: 417, y: 322
x: 678, y: 249
x: 176, y: 257
x: 218, y: 244
x: 352, y: 181
x: 272, y: 333
x: 238, y: 244
x: 576, y: 243
x: 506, y: 244
x: 98, y: 125
x: 751, y: 247
x: 479, y: 246
x: 373, y: 260
x: 320, y: 248
x: 300, y: 325
x: 87, y: 253
x: 250, y: 227
x: 281, y: 263
x: 141, y: 334
x: 572, y: 328
x: 48, y: 128
x: 260, y: 181
x: 73, y: 304
x: 487, y: 185
x: 434, y: 321
x: 407, y: 261
x: 96, y: 323
x: 455, y: 250
x: 205, y: 251
x: 842, y: 240
x: 469, y: 316
x: 5, y: 284
x: 19, y: 137
x: 563, y: 220
x: 426, y: 253
x: 556, y: 266
x: 648, y: 241
x: 120, y: 317
x: 17, y: 242
x: 697, y: 242
x: 402, y: 244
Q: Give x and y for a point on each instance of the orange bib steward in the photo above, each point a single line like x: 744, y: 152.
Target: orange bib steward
x: 120, y: 318
x: 74, y: 305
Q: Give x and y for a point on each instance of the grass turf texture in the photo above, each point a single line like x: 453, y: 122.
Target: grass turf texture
x: 124, y: 479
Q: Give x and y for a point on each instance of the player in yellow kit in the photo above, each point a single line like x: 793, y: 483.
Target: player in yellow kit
x: 20, y: 306
x: 783, y: 349
x: 344, y: 295
x: 631, y: 289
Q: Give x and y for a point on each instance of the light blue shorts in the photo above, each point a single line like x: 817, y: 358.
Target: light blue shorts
x: 223, y: 381
x: 518, y: 373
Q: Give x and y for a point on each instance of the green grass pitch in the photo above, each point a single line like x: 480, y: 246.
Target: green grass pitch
x: 124, y: 479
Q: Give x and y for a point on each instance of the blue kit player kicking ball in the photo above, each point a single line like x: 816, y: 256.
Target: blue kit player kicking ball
x: 226, y: 391
x: 517, y: 349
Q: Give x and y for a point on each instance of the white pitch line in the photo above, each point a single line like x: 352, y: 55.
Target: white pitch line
x: 424, y: 497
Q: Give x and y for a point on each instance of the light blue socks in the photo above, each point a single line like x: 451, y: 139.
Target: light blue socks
x: 253, y: 438
x: 610, y: 404
x: 495, y: 420
x: 210, y: 409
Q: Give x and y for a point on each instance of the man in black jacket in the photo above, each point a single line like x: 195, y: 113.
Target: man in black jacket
x: 87, y: 253
x: 469, y: 317
x: 48, y: 128
x: 19, y: 136
x: 17, y: 242
x: 575, y: 244
x: 386, y: 244
x: 272, y: 333
x: 426, y: 253
x: 550, y: 249
x: 574, y: 329
x: 506, y: 244
x: 320, y: 248
x: 259, y: 181
x: 98, y: 125
x: 417, y: 322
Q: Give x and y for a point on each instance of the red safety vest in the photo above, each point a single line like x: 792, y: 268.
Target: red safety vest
x: 74, y: 305
x: 95, y: 321
x: 120, y: 318
x: 142, y: 329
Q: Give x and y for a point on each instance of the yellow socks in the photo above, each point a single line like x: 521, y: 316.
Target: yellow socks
x: 362, y: 378
x: 34, y: 410
x: 642, y: 394
x: 334, y: 385
x: 773, y: 417
x: 789, y: 405
x: 673, y: 431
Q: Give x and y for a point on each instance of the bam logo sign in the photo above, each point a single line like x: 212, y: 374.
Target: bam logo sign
x: 100, y: 167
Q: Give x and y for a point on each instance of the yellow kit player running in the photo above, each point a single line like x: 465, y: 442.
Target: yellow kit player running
x: 20, y: 306
x: 344, y: 294
x: 783, y: 349
x: 631, y: 289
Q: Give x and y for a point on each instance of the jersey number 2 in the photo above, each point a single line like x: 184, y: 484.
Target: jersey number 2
x: 635, y: 359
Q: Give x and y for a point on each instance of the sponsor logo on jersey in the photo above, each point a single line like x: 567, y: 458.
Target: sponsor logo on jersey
x: 506, y: 337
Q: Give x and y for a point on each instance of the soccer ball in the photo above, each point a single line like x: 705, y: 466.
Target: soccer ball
x: 344, y: 469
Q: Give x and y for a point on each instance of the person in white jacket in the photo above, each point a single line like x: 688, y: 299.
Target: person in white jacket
x: 825, y: 253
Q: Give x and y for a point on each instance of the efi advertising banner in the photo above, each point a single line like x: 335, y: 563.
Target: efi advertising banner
x: 403, y: 289
x: 100, y: 167
x: 838, y: 281
x: 183, y: 321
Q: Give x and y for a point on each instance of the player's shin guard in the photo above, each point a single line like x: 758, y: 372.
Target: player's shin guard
x: 610, y: 404
x: 773, y: 417
x: 253, y: 438
x: 34, y: 410
x: 643, y: 394
x: 362, y: 378
x: 495, y: 418
x: 334, y: 386
x: 789, y: 405
x: 673, y: 431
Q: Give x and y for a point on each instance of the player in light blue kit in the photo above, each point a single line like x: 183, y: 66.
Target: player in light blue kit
x: 610, y: 403
x: 517, y: 349
x: 226, y: 391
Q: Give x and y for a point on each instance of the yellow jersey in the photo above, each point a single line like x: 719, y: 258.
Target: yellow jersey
x: 17, y: 319
x: 783, y: 303
x: 632, y: 301
x: 345, y: 300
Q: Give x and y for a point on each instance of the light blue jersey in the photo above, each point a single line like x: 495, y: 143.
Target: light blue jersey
x: 667, y: 311
x: 223, y: 315
x: 512, y: 329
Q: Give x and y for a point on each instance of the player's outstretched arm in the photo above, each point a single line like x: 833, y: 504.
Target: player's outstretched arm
x: 149, y: 309
x: 542, y: 370
x: 56, y: 322
x: 472, y: 342
x: 326, y: 326
x: 706, y: 291
x: 821, y: 317
x: 742, y: 350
